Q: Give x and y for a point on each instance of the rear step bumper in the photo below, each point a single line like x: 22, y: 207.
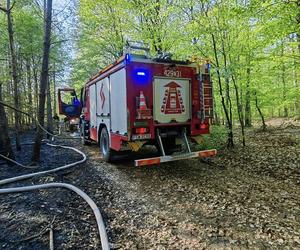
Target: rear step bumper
x: 167, y: 158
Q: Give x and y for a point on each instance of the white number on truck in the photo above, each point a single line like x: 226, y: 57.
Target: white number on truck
x: 172, y: 73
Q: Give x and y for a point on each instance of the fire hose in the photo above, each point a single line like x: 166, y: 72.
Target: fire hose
x: 91, y: 203
x: 37, y: 122
x: 99, y: 219
x: 26, y: 176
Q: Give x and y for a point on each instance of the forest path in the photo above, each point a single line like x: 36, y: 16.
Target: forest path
x: 247, y: 198
x: 243, y: 198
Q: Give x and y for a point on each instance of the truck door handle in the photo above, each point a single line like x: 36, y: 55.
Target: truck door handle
x: 103, y: 115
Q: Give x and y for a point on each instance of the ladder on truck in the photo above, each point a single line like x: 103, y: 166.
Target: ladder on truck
x: 206, y: 97
x: 166, y: 158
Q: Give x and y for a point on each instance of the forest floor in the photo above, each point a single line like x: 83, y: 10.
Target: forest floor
x: 242, y: 198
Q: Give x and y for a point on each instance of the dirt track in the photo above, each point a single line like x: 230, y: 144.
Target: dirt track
x: 241, y: 199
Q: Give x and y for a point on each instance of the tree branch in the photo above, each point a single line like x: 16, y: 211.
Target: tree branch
x: 3, y: 9
x: 11, y: 6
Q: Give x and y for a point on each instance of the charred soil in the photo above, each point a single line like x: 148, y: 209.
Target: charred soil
x: 243, y: 198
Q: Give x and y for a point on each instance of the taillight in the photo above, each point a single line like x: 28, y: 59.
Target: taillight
x: 141, y: 130
x: 203, y: 126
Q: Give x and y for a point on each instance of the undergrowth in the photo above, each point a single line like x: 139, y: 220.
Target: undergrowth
x: 215, y: 140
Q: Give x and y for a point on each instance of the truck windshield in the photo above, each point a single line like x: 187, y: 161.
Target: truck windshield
x: 69, y: 97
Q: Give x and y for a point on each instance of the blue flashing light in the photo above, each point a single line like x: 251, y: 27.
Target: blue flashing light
x: 141, y: 76
x: 127, y: 58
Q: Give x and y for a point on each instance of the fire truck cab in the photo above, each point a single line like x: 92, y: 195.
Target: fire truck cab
x: 139, y: 100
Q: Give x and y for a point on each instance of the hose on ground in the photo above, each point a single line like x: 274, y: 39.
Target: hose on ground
x: 26, y: 176
x: 99, y: 219
x: 17, y: 163
x: 37, y: 122
x: 92, y: 204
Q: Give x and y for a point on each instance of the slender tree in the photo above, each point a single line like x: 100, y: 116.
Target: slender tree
x: 49, y: 111
x: 29, y: 86
x: 230, y: 142
x: 264, y: 126
x: 15, y: 77
x: 247, y: 99
x: 43, y: 82
x: 4, y: 136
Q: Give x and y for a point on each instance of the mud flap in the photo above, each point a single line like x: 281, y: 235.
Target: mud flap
x: 167, y: 158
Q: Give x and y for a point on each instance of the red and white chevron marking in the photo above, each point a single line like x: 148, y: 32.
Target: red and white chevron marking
x: 102, y: 96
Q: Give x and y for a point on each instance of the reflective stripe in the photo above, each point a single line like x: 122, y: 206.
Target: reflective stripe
x: 145, y: 162
x: 207, y: 153
x: 167, y: 158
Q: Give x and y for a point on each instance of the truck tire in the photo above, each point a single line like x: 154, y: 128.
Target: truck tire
x: 107, y: 152
x: 84, y: 137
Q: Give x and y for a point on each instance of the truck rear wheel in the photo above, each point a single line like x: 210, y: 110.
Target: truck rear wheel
x: 105, y: 149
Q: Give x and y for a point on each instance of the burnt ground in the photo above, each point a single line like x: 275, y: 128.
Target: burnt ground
x: 243, y: 198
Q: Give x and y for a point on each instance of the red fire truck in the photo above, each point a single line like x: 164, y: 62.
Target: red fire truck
x: 139, y: 100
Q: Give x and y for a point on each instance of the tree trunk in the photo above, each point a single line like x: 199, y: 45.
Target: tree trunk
x: 216, y: 119
x: 54, y: 91
x: 14, y: 72
x: 264, y: 126
x: 247, y: 101
x: 227, y: 81
x: 296, y: 84
x: 9, y: 93
x: 230, y: 143
x: 241, y: 101
x: 49, y: 112
x: 238, y: 105
x: 43, y: 82
x: 36, y: 87
x: 285, y: 109
x: 29, y: 85
x: 239, y: 109
x: 228, y: 99
x: 4, y: 136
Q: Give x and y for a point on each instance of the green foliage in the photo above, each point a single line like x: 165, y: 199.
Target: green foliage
x: 103, y: 25
x: 28, y: 33
x: 256, y: 44
x: 253, y: 47
x: 217, y: 138
x: 252, y: 36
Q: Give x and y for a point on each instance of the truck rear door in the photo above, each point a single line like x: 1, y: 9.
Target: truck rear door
x: 171, y: 100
